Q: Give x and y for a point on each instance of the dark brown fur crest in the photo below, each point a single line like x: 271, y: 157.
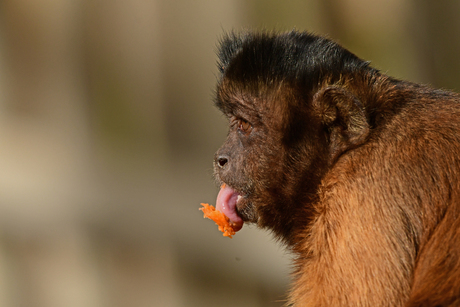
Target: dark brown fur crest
x: 357, y: 172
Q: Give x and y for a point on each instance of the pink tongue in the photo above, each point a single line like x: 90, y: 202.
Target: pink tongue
x: 226, y: 203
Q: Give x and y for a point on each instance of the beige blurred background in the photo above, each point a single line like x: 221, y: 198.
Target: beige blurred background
x: 107, y: 134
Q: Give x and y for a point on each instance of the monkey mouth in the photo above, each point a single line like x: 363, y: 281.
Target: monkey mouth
x: 226, y: 203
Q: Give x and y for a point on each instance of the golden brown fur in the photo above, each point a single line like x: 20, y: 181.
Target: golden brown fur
x: 356, y: 172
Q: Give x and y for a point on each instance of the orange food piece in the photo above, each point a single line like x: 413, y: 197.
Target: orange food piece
x: 219, y: 218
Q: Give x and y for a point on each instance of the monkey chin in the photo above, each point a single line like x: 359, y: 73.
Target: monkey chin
x: 226, y: 203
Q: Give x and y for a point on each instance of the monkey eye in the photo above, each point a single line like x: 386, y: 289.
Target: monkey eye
x: 244, y: 126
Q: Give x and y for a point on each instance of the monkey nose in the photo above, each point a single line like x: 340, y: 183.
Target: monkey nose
x: 221, y: 161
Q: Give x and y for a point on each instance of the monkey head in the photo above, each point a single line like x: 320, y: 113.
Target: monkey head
x: 290, y: 116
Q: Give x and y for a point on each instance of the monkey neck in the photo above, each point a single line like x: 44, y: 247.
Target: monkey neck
x: 296, y: 196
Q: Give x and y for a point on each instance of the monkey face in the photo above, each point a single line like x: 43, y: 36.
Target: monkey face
x: 248, y: 157
x: 269, y: 160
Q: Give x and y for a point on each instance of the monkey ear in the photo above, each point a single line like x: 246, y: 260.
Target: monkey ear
x: 344, y: 117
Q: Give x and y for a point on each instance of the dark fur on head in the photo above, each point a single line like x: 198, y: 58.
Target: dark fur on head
x: 357, y: 172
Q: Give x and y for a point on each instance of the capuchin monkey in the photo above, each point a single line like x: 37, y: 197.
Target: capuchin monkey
x: 356, y: 172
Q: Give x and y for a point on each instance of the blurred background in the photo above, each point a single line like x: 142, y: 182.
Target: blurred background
x: 107, y: 135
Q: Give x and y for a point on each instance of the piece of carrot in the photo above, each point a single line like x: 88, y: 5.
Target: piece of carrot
x: 219, y: 218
